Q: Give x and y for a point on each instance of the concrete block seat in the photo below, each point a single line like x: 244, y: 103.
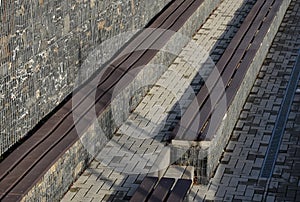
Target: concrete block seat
x: 207, y: 124
x: 31, y: 172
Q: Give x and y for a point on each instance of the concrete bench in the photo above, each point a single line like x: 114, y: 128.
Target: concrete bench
x: 206, y: 125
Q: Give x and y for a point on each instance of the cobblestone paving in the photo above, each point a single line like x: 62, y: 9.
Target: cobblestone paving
x: 134, y: 149
x: 237, y: 176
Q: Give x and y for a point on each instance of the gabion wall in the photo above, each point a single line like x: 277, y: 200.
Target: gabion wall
x: 43, y: 44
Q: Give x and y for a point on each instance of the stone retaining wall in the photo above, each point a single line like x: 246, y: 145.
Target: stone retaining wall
x: 44, y: 43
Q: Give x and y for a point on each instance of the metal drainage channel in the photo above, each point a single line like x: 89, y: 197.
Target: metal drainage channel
x: 278, y: 131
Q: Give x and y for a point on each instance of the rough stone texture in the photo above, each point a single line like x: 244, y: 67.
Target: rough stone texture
x: 43, y: 45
